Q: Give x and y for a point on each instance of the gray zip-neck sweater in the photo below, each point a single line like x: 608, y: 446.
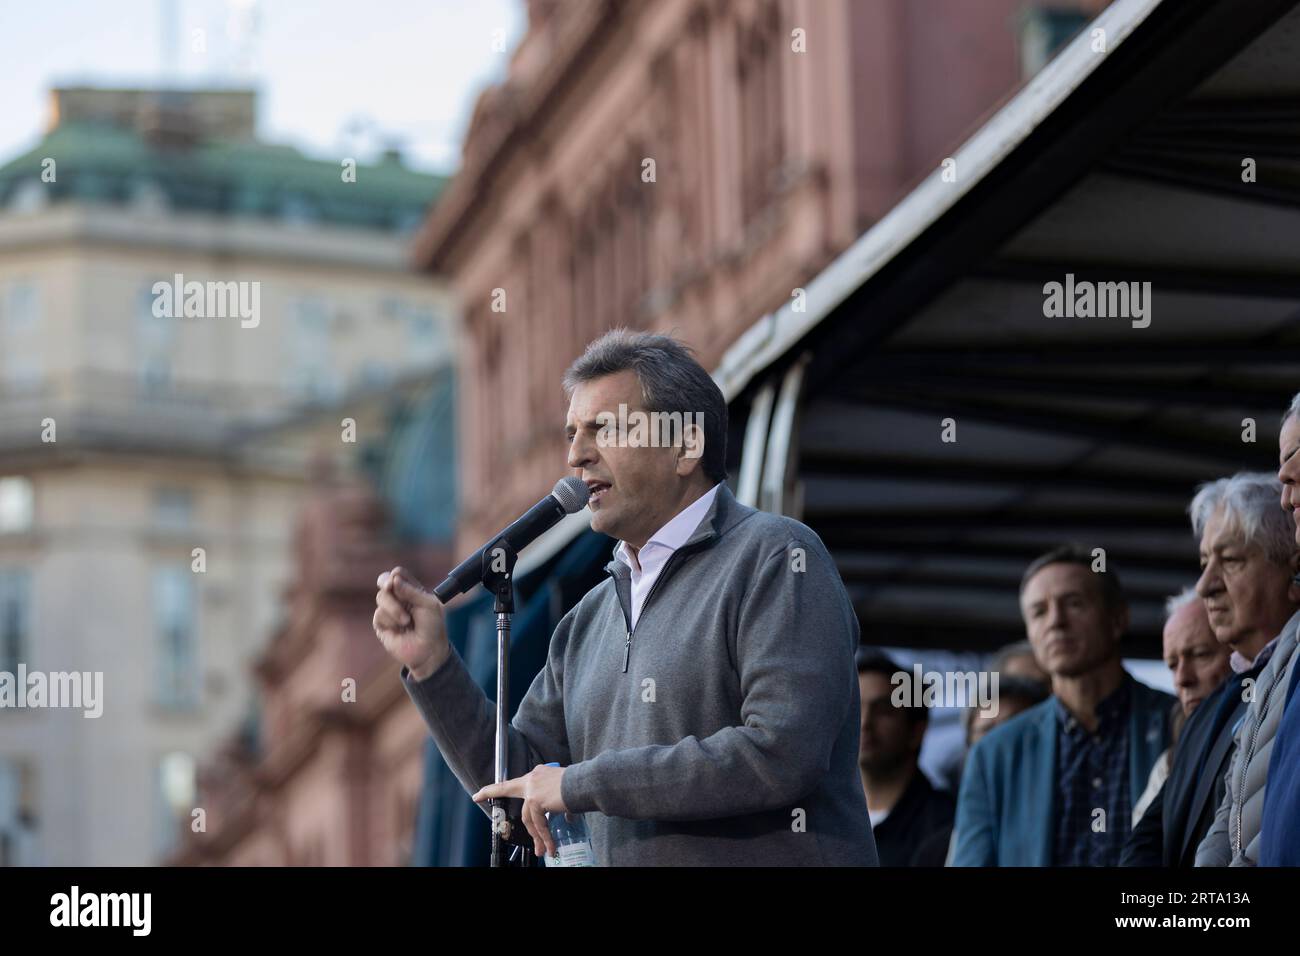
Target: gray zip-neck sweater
x: 1233, y: 839
x: 722, y: 730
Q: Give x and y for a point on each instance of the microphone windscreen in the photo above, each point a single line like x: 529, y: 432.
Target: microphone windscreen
x: 572, y: 494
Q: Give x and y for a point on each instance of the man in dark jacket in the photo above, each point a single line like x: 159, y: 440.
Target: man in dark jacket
x: 1246, y: 587
x: 905, y: 809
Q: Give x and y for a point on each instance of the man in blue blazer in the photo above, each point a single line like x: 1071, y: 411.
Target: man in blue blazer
x: 1056, y: 785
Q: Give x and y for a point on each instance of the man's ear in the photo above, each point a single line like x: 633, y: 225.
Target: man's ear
x: 691, y: 451
x: 1293, y: 589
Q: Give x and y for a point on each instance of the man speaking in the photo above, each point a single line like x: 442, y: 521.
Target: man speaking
x: 702, y: 702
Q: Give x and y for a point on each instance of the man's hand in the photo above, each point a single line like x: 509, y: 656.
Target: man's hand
x: 408, y: 619
x: 540, y: 789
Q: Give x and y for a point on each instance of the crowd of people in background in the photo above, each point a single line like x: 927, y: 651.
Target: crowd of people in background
x: 1080, y: 764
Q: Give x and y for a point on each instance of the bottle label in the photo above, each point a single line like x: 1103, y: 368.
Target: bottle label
x: 576, y: 854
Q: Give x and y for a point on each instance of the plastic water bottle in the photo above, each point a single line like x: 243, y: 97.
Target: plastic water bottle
x: 572, y: 842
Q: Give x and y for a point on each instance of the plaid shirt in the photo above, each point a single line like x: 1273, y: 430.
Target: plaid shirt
x: 1092, y: 773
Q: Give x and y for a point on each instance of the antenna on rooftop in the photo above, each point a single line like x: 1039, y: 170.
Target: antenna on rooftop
x: 167, y: 40
x: 242, y: 23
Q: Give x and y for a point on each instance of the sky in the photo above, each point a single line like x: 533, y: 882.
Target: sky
x: 335, y: 77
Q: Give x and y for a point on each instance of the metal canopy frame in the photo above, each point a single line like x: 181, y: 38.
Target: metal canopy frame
x: 1119, y: 170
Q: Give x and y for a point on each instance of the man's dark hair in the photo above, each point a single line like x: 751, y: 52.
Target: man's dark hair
x: 872, y: 661
x: 1108, y: 581
x: 671, y: 381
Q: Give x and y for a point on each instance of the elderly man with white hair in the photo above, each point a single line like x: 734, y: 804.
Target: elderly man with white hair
x: 1198, y: 664
x: 1247, y: 552
x: 1234, y: 837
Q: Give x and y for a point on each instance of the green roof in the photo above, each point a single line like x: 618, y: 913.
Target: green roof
x: 104, y: 163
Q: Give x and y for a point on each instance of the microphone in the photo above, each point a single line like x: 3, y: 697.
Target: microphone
x: 568, y: 497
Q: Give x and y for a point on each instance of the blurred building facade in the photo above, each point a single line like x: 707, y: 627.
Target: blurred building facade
x: 331, y: 771
x: 685, y: 166
x: 332, y: 775
x: 151, y: 467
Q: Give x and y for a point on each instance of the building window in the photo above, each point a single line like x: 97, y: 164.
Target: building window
x: 374, y: 375
x: 174, y: 799
x: 23, y: 306
x: 173, y: 509
x: 298, y: 211
x: 16, y: 505
x: 1043, y: 31
x: 424, y: 341
x: 155, y: 341
x: 176, y: 635
x: 424, y: 336
x: 20, y: 343
x: 762, y: 149
x: 148, y: 196
x: 15, y: 617
x: 310, y: 369
x: 30, y: 196
x: 155, y: 374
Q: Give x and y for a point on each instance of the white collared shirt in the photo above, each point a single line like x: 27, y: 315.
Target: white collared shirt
x: 1240, y: 663
x: 650, y: 560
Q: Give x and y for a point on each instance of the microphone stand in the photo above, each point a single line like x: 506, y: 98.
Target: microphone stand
x: 498, y: 569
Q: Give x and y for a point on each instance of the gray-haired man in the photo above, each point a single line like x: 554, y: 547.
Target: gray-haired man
x: 702, y: 702
x: 1245, y: 585
x: 1234, y: 837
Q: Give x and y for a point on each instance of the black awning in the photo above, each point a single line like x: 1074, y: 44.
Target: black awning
x: 1092, y: 429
